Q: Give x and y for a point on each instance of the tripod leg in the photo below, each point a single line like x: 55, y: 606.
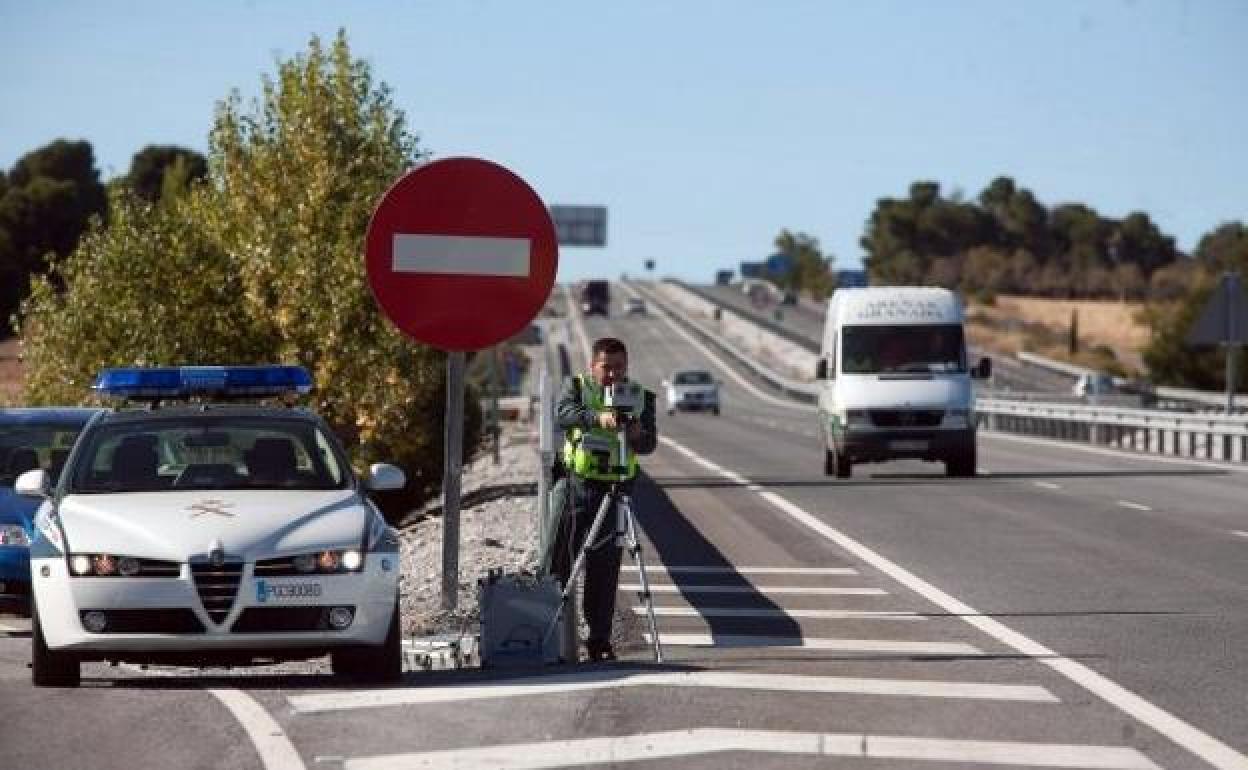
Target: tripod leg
x: 634, y: 548
x: 579, y: 564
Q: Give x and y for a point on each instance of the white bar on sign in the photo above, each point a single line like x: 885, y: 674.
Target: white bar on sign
x: 461, y: 255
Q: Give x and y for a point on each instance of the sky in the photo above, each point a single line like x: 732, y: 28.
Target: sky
x: 704, y: 127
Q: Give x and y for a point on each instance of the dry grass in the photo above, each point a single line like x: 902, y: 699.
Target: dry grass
x: 1042, y: 326
x: 11, y: 371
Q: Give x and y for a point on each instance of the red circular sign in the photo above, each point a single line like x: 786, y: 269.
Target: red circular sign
x: 461, y: 254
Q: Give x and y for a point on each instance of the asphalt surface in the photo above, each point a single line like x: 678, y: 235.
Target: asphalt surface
x: 1127, y: 567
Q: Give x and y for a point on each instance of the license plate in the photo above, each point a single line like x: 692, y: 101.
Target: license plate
x: 908, y: 445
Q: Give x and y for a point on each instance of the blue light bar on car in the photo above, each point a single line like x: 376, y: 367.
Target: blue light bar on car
x: 189, y: 381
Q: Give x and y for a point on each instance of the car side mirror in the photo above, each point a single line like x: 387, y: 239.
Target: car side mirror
x: 821, y: 369
x: 983, y: 370
x: 383, y: 477
x: 36, y: 483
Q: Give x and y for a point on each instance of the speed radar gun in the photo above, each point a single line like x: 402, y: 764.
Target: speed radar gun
x: 626, y: 400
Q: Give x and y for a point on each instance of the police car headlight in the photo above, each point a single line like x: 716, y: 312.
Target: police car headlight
x: 352, y: 560
x: 81, y: 565
x: 14, y: 535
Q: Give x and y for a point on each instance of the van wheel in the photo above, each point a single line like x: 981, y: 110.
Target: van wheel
x: 961, y: 466
x: 49, y: 668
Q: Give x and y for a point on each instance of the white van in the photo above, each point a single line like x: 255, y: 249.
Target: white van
x: 894, y: 381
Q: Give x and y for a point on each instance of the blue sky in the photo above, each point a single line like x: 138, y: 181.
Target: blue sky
x: 704, y: 127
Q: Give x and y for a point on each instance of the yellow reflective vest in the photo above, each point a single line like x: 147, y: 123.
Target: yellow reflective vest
x: 595, y: 453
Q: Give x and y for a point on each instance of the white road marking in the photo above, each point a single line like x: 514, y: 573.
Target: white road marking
x: 686, y: 588
x: 1197, y: 741
x: 616, y: 678
x: 275, y: 749
x: 1121, y: 454
x: 728, y: 370
x: 460, y: 255
x: 1133, y: 506
x: 1047, y: 485
x: 756, y: 612
x: 611, y: 750
x: 1239, y: 533
x: 8, y: 629
x: 804, y: 643
x: 743, y: 570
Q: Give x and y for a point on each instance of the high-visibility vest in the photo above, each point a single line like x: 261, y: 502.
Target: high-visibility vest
x: 595, y: 453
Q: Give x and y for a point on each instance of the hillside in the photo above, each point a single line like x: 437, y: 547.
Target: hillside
x: 1037, y: 325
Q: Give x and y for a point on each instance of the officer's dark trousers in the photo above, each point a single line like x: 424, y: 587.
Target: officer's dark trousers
x: 602, y: 564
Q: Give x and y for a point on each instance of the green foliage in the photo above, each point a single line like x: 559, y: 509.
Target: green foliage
x: 1008, y: 241
x: 163, y: 171
x: 263, y: 262
x: 811, y: 272
x: 46, y: 202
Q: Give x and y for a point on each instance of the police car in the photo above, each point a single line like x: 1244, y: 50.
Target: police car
x: 211, y: 533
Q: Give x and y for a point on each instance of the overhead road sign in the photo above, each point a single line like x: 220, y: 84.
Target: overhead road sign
x: 461, y: 254
x: 580, y: 225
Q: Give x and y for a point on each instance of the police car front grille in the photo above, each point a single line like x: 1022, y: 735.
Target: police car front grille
x: 218, y: 587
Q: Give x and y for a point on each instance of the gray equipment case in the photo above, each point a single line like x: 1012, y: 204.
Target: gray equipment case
x: 516, y: 612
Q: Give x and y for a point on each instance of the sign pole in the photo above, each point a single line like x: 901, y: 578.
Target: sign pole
x: 453, y: 450
x: 1230, y: 284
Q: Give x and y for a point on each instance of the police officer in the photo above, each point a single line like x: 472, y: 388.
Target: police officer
x: 590, y: 428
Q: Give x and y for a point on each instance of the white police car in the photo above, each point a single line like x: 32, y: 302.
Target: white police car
x: 211, y: 533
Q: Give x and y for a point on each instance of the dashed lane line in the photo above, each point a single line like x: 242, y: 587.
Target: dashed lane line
x: 689, y: 588
x: 1047, y: 485
x: 1239, y: 533
x: 1195, y: 740
x: 529, y: 686
x: 746, y: 641
x: 1133, y: 506
x: 611, y: 750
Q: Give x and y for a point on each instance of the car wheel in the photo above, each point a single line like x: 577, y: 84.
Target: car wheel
x: 49, y: 668
x: 378, y: 665
x: 961, y: 466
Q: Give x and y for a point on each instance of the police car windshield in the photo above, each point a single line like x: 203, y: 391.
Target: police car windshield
x: 207, y: 452
x: 32, y: 445
x: 903, y: 349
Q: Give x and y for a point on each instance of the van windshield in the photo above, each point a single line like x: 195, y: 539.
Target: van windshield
x: 909, y: 348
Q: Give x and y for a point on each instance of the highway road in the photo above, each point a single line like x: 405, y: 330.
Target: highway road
x: 1067, y: 608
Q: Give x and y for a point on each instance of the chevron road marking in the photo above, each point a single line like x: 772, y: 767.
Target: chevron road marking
x: 685, y: 588
x: 620, y: 678
x: 701, y: 741
x: 733, y: 641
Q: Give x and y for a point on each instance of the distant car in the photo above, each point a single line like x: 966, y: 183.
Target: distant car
x: 636, y: 306
x: 1094, y: 384
x: 211, y: 533
x: 30, y: 438
x: 692, y: 390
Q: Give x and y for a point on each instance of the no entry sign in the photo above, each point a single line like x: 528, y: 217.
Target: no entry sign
x: 461, y: 254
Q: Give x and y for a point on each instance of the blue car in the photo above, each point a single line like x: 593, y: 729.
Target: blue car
x: 30, y: 438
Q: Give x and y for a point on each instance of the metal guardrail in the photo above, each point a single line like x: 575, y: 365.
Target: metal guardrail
x: 1200, y: 436
x: 800, y: 391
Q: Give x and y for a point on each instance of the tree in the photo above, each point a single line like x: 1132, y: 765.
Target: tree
x: 262, y: 263
x: 46, y: 202
x: 158, y: 171
x: 811, y: 271
x: 1226, y: 248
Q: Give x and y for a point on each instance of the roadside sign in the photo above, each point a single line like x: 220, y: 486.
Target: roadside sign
x: 580, y: 225
x: 461, y: 254
x: 1224, y: 319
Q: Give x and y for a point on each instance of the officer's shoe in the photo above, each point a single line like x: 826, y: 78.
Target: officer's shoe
x: 599, y: 651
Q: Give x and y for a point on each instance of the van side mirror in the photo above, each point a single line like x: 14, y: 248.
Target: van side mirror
x: 36, y: 483
x: 983, y: 370
x: 821, y: 369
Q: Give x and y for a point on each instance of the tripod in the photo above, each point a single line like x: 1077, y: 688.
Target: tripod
x: 618, y: 500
